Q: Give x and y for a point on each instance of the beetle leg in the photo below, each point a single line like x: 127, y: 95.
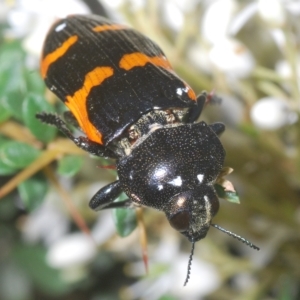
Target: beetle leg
x: 104, y: 198
x: 196, y: 110
x: 128, y: 203
x: 82, y: 142
x: 217, y: 128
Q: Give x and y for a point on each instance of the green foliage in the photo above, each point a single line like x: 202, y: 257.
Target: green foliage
x: 32, y: 104
x: 13, y: 81
x: 32, y: 260
x: 124, y: 218
x: 17, y: 155
x: 69, y: 165
x: 267, y: 172
x: 227, y: 195
x: 32, y: 191
x: 4, y: 113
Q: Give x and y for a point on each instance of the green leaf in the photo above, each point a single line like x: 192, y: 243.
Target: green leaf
x: 124, y: 218
x: 17, y: 155
x: 12, y: 102
x: 227, y: 195
x: 12, y: 81
x: 4, y: 114
x: 249, y: 130
x: 5, y: 169
x: 32, y: 191
x: 32, y: 259
x: 33, y: 104
x: 10, y: 53
x: 35, y: 83
x: 69, y: 165
x: 287, y: 286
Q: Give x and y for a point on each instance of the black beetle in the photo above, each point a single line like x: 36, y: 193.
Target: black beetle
x: 124, y: 95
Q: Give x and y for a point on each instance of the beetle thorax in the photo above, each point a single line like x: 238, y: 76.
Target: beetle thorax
x: 173, y: 169
x: 147, y: 124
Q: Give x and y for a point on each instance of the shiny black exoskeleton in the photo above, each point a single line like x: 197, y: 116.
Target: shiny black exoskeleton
x: 124, y: 95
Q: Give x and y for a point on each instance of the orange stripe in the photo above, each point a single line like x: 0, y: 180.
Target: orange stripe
x: 109, y: 27
x: 56, y: 54
x: 77, y: 102
x: 191, y: 93
x: 137, y: 59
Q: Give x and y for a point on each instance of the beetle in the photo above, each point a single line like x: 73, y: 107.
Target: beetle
x: 124, y: 95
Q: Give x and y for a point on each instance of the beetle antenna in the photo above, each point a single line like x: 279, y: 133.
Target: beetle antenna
x: 241, y: 239
x: 189, y: 265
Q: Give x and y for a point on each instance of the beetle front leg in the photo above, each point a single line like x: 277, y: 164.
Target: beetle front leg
x: 104, y: 198
x: 196, y: 110
x: 217, y: 128
x: 82, y: 142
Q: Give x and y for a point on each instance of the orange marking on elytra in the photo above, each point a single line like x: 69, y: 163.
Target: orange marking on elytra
x: 191, y: 94
x: 138, y: 59
x: 109, y: 27
x: 77, y: 102
x: 56, y: 54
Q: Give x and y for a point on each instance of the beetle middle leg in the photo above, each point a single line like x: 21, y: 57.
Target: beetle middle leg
x: 82, y: 142
x: 104, y: 198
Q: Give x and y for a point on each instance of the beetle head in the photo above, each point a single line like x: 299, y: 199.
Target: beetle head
x: 191, y: 212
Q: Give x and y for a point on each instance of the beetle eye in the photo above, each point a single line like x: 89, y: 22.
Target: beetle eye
x: 180, y: 221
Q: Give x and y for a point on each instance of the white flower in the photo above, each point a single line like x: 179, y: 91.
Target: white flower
x: 217, y: 19
x: 71, y: 250
x: 32, y: 19
x: 204, y: 278
x: 232, y: 57
x: 173, y: 15
x: 272, y: 12
x: 272, y: 113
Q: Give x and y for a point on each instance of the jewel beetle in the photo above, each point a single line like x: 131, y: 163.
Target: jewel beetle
x: 131, y: 106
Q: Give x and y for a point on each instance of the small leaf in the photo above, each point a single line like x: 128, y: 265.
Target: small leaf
x: 4, y: 114
x: 33, y: 104
x: 12, y: 102
x: 6, y: 170
x: 69, y: 165
x: 232, y: 197
x: 17, y: 155
x: 35, y: 83
x: 124, y: 218
x: 250, y: 130
x: 227, y: 195
x: 32, y: 259
x: 32, y: 191
x: 10, y: 53
x: 12, y: 83
x: 286, y: 286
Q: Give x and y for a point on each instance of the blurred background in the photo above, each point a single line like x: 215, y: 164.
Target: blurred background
x: 52, y: 246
